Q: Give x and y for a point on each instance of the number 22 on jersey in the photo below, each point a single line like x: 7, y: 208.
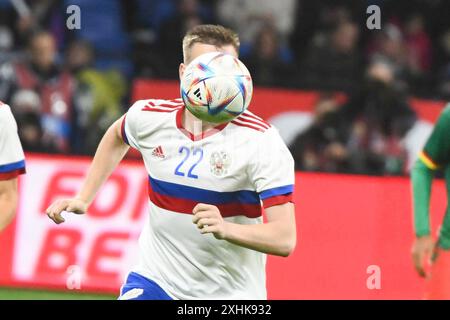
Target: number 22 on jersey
x: 192, y: 158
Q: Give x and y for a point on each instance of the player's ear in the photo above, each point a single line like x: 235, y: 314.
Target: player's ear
x: 181, y: 70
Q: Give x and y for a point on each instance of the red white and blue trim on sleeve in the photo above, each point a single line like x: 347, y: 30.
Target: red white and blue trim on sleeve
x: 276, y: 196
x: 12, y: 170
x: 181, y: 198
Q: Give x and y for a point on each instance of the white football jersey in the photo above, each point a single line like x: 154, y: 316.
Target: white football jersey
x: 12, y: 159
x: 240, y: 167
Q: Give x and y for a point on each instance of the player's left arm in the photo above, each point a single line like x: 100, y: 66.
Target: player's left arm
x: 271, y: 170
x: 435, y: 154
x: 277, y: 236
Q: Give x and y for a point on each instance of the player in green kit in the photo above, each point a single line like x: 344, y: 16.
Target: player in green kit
x: 435, y: 156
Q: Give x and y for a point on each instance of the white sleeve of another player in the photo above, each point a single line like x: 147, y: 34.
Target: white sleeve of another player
x: 272, y: 169
x: 12, y: 159
x: 131, y: 124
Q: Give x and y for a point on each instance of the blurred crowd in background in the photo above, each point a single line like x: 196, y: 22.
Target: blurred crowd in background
x: 66, y: 87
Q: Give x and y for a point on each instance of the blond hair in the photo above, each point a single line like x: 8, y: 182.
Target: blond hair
x: 215, y: 35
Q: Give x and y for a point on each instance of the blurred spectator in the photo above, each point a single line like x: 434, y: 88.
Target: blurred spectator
x: 247, y: 16
x: 98, y: 97
x: 6, y: 66
x: 418, y: 45
x: 172, y: 32
x: 266, y: 62
x: 26, y: 16
x: 444, y: 72
x: 335, y: 63
x: 103, y: 25
x: 365, y: 134
x: 419, y: 55
x: 6, y: 42
x: 379, y: 117
x: 316, y: 19
x: 389, y: 45
x: 320, y: 147
x: 41, y: 74
x: 27, y: 106
x: 144, y: 20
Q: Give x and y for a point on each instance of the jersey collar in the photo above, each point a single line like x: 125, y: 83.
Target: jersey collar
x: 203, y: 135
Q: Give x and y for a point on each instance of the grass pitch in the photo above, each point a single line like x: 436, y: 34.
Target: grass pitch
x: 27, y: 294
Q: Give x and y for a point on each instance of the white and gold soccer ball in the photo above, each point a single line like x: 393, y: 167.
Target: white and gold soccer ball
x: 216, y: 87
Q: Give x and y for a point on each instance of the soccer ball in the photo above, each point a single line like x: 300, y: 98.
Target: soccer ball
x: 216, y: 87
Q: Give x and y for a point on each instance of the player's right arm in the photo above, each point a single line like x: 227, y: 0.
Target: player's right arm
x: 110, y: 152
x: 8, y: 201
x: 435, y: 154
x: 12, y: 164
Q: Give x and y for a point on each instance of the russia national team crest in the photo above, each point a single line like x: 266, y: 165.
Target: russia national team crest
x: 220, y: 162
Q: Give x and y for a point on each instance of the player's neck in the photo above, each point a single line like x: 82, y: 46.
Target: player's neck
x: 193, y: 124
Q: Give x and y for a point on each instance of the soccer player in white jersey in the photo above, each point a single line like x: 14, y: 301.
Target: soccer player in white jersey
x: 12, y: 164
x: 208, y: 185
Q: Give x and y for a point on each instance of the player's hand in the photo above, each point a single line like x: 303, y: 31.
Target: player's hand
x: 70, y: 205
x: 421, y: 253
x: 209, y: 220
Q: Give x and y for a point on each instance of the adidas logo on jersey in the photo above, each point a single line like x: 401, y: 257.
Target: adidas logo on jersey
x: 158, y: 152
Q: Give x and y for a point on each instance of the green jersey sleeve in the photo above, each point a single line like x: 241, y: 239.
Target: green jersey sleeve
x: 421, y: 179
x: 436, y: 152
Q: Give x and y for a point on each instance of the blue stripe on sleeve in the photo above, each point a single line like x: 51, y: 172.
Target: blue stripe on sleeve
x: 12, y: 166
x: 276, y: 191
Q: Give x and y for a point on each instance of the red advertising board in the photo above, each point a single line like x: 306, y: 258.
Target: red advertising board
x: 347, y: 226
